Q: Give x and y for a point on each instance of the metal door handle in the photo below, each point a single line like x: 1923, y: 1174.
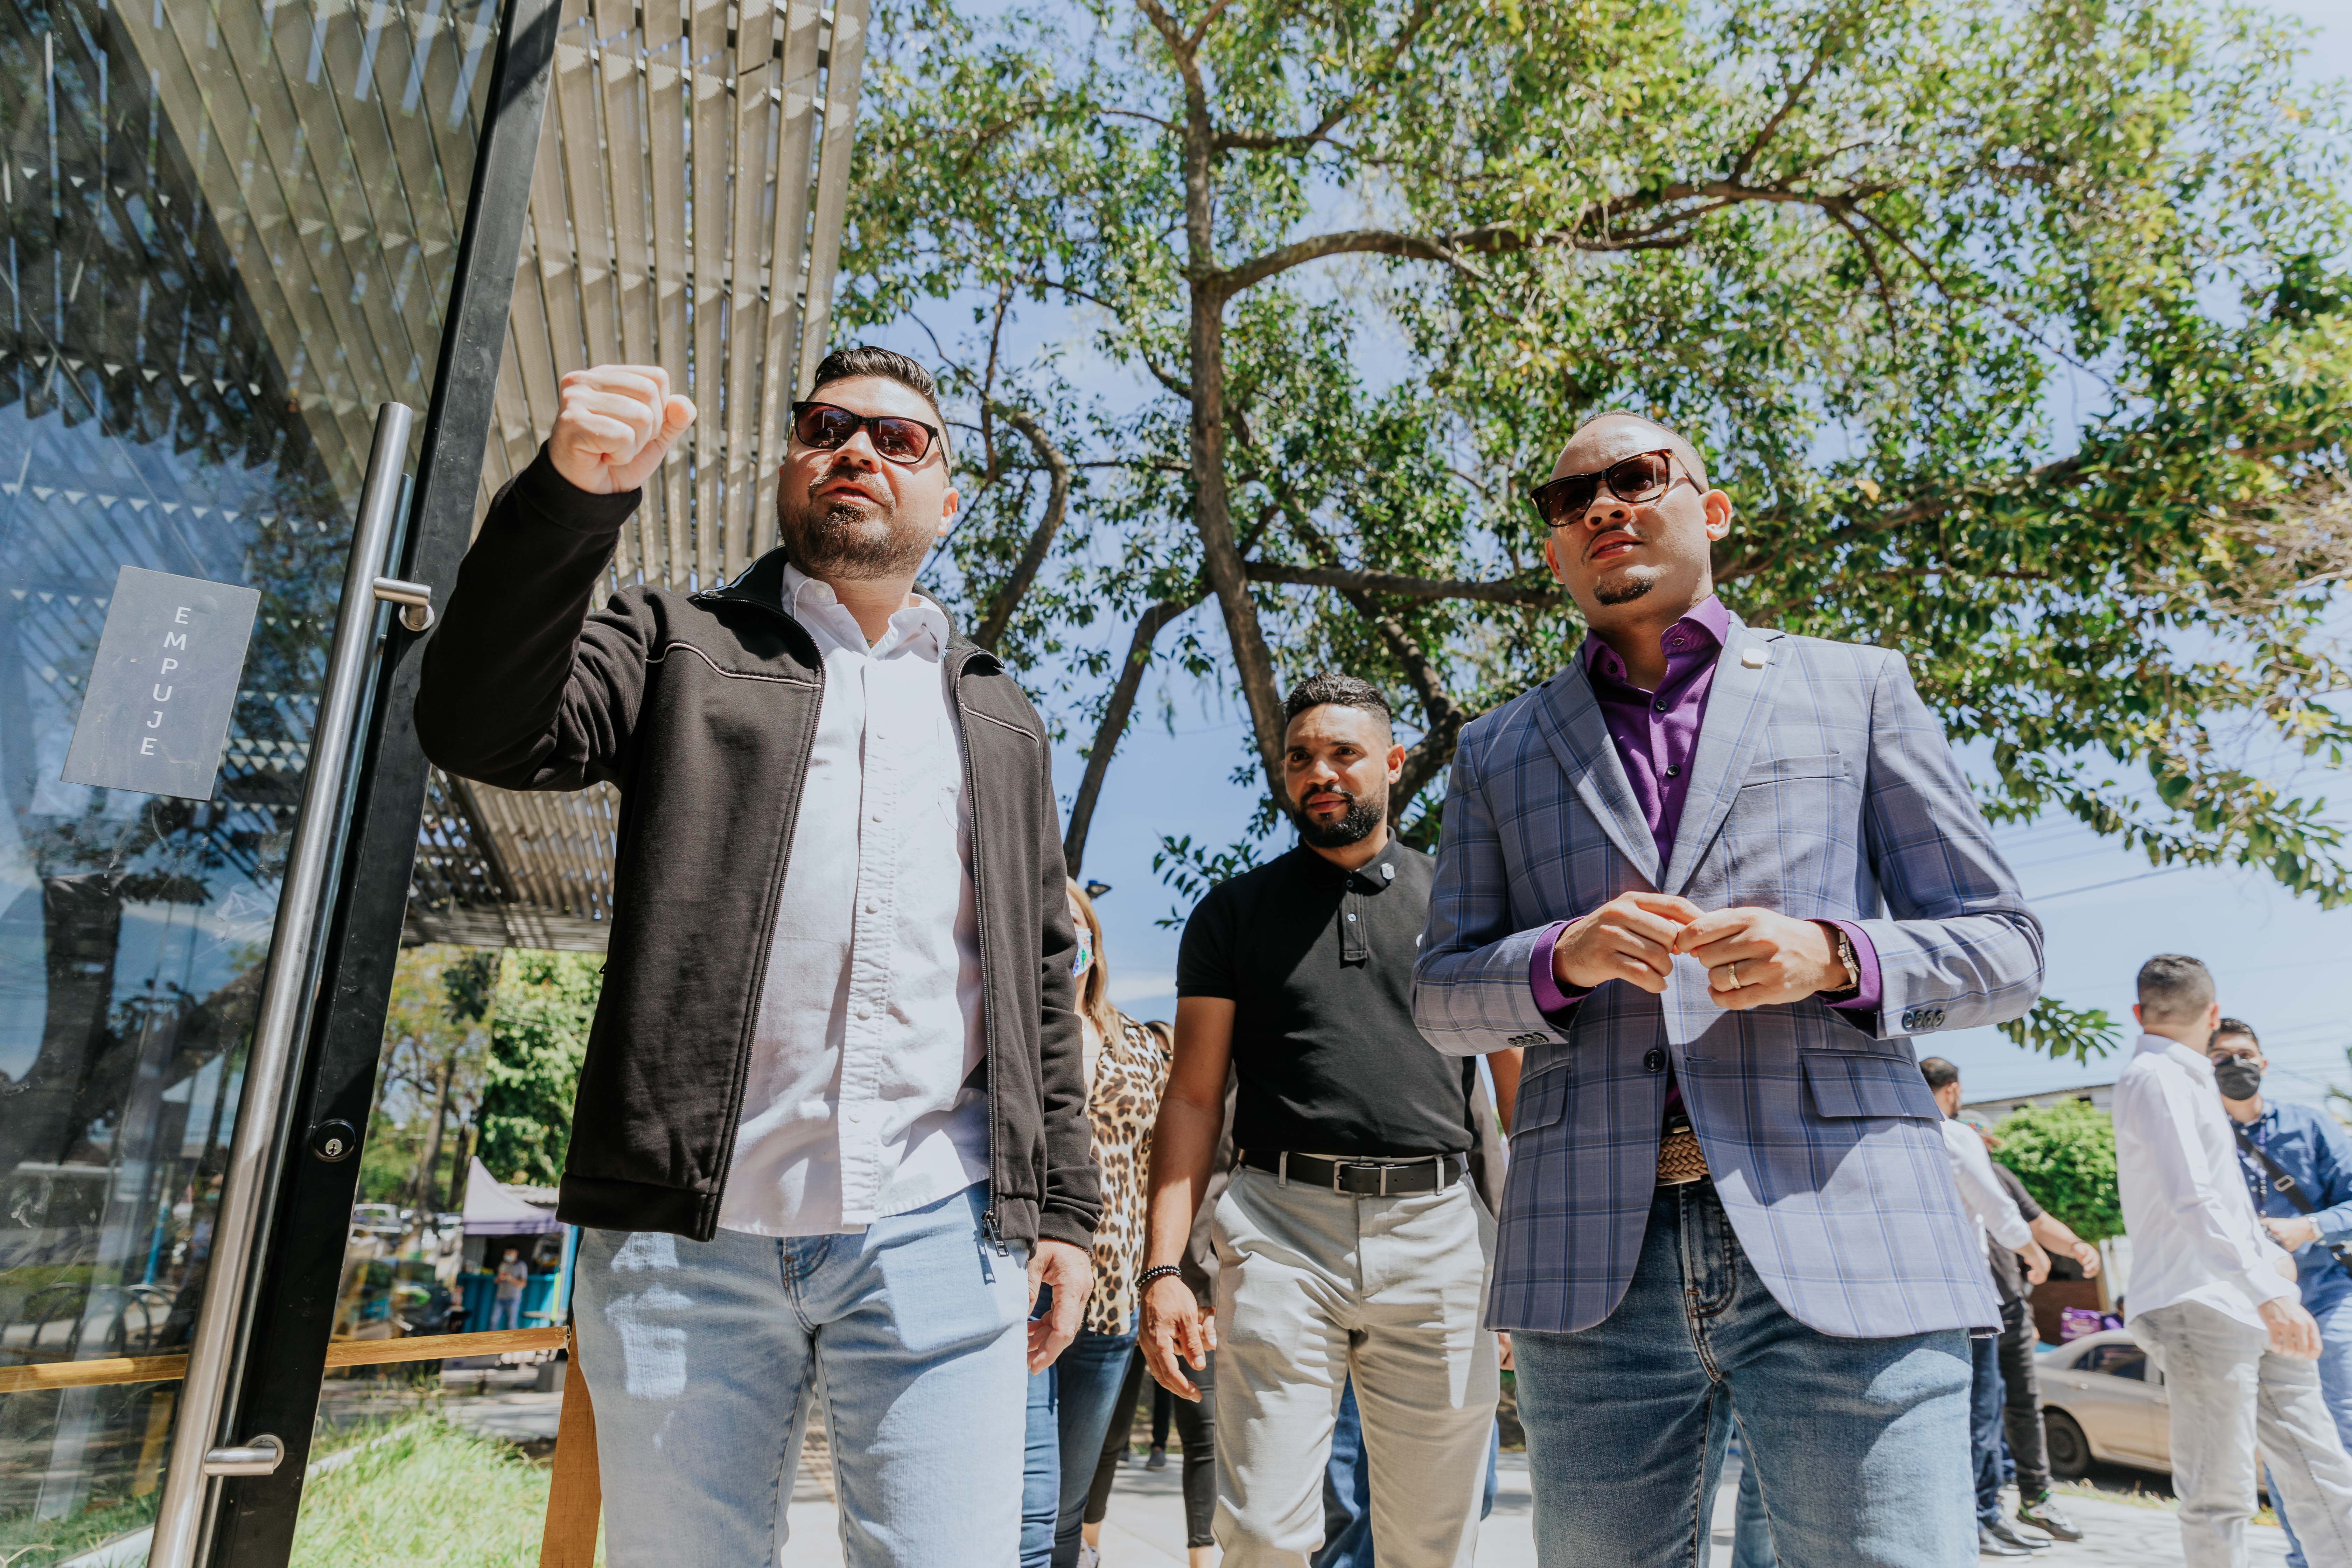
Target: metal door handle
x: 416, y: 600
x: 278, y: 1024
x: 259, y: 1458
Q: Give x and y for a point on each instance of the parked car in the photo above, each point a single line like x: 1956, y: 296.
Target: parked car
x: 2102, y: 1399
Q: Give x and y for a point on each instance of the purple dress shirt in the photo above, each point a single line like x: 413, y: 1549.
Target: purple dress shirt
x: 1654, y: 733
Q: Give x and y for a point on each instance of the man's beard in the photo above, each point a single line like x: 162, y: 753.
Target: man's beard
x: 850, y: 540
x: 1364, y: 816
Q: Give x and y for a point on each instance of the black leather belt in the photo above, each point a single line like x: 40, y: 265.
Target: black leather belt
x: 1360, y: 1178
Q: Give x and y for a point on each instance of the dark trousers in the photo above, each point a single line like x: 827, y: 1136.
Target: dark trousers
x: 2021, y: 1404
x: 1196, y: 1428
x: 1984, y: 1425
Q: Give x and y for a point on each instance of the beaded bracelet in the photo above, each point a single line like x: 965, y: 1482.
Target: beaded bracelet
x: 1157, y: 1271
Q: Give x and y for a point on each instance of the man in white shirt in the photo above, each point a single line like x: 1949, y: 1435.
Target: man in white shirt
x: 830, y: 1138
x: 2212, y: 1297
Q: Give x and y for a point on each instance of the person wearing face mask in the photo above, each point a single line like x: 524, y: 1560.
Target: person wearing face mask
x: 2297, y: 1161
x: 1072, y: 1403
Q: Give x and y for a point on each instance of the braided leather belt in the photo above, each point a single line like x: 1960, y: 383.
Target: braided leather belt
x: 1680, y: 1159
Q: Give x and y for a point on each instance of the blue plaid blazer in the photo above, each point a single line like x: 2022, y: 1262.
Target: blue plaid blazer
x: 1821, y: 786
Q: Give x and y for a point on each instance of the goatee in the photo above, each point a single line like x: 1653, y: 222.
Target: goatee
x: 850, y: 540
x: 1624, y: 591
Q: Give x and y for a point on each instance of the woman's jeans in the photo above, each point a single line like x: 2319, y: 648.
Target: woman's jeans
x: 1071, y: 1404
x: 1860, y: 1446
x: 701, y: 1357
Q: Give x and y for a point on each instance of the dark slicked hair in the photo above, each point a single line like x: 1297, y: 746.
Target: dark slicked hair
x: 1939, y: 1072
x: 1328, y: 688
x: 844, y: 364
x: 2237, y: 1026
x: 2174, y: 988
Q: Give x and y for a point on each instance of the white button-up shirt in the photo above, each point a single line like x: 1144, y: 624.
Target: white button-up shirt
x: 865, y: 1097
x: 2193, y: 1233
x: 1981, y: 1194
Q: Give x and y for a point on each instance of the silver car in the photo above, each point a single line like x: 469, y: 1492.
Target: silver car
x: 2103, y: 1399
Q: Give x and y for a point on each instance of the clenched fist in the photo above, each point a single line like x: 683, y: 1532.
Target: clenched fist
x: 614, y: 425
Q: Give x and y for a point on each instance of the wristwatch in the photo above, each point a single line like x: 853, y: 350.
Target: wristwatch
x: 1845, y: 956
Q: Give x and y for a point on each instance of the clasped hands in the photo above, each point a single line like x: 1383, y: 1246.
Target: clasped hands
x: 1754, y: 958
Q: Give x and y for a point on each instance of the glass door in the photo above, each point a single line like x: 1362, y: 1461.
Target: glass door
x: 230, y: 231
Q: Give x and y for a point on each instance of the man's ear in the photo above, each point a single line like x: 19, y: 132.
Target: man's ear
x: 1396, y: 762
x: 1552, y: 557
x: 947, y: 512
x: 2136, y: 1019
x: 1718, y: 513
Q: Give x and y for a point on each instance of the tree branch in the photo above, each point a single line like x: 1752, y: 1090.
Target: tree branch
x: 1396, y: 585
x: 1407, y: 30
x: 1113, y: 727
x: 1008, y: 597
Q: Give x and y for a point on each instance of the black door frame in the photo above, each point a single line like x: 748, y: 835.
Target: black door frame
x: 278, y: 1386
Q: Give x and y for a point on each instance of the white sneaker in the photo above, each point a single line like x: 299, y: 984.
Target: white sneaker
x: 1089, y: 1555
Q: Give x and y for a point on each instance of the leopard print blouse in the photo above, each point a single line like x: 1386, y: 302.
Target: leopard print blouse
x: 1130, y: 1075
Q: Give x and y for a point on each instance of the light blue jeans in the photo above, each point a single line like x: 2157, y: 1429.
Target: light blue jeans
x: 701, y: 1356
x: 2335, y: 1389
x: 1860, y: 1447
x: 506, y: 1312
x: 1071, y: 1406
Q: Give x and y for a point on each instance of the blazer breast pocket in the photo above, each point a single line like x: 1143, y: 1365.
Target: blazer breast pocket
x: 1859, y: 1083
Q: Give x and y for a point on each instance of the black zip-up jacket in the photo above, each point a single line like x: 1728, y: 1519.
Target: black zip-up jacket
x: 702, y: 708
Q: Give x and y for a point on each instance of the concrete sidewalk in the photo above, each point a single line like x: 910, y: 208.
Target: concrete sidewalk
x: 1145, y: 1527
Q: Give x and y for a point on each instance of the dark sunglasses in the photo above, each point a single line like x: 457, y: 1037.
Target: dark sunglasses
x: 829, y: 428
x: 1643, y: 477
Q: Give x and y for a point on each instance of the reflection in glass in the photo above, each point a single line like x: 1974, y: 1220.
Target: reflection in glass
x: 228, y: 233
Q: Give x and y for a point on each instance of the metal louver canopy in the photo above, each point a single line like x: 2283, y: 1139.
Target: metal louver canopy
x: 687, y: 211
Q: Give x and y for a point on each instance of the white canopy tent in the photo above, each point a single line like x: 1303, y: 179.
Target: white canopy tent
x: 493, y: 1209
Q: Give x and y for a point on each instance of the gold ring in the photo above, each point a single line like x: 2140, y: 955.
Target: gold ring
x: 1732, y: 969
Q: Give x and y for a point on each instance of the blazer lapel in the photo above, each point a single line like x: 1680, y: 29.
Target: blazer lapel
x: 1570, y: 719
x: 1738, y: 711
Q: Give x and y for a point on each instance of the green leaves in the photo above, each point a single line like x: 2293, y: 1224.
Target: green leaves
x: 2009, y: 331
x: 2064, y: 1155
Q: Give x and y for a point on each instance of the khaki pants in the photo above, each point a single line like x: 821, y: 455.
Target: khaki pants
x: 1311, y: 1286
x: 2228, y: 1392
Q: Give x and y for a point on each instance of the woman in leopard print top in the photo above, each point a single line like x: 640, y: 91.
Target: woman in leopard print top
x: 1070, y: 1402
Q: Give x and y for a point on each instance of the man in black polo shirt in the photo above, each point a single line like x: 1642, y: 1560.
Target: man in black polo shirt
x: 1351, y: 1239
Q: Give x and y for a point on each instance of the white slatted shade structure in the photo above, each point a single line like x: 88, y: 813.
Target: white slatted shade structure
x: 687, y: 211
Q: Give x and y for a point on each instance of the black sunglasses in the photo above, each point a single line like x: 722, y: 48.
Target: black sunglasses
x: 1642, y: 477
x: 828, y: 429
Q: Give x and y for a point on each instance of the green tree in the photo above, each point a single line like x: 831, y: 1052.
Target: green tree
x: 539, y: 1034
x: 2065, y: 1156
x: 435, y: 1047
x: 2010, y: 329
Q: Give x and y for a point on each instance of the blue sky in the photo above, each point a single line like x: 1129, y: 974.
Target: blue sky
x: 2281, y: 961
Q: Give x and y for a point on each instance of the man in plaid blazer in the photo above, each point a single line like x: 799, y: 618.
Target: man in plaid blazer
x: 1712, y: 879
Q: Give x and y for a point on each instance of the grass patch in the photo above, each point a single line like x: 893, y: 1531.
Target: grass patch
x: 422, y: 1494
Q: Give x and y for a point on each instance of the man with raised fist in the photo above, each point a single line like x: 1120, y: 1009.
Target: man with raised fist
x: 830, y: 1138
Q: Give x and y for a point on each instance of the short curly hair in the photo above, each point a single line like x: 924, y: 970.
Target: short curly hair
x: 844, y: 364
x: 1330, y: 689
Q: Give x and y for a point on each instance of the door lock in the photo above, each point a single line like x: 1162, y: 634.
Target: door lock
x: 333, y: 1140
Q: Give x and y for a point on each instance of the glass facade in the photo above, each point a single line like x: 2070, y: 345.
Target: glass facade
x: 228, y: 231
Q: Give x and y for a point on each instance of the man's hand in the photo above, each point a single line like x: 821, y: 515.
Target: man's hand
x: 1175, y: 1332
x: 1070, y: 1270
x: 2295, y: 1231
x: 1755, y: 958
x: 614, y: 425
x: 2293, y: 1331
x: 1630, y: 938
x: 2037, y: 1262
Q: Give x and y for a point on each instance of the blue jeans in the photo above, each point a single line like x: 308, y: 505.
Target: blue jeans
x: 1071, y: 1406
x: 1347, y: 1489
x: 1986, y: 1396
x: 1751, y: 1527
x: 506, y: 1313
x: 2335, y: 1388
x: 1860, y: 1447
x: 702, y: 1356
